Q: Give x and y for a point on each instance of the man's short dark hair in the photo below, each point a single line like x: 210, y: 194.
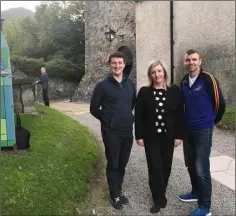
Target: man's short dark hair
x: 117, y: 54
x: 192, y: 51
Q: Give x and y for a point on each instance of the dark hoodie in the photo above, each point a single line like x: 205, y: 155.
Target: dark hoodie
x: 44, y: 81
x: 112, y: 103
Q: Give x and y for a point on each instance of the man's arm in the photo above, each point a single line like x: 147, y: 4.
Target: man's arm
x: 43, y: 79
x: 96, y: 101
x: 222, y: 104
x: 215, y: 93
x: 134, y: 97
x: 139, y: 116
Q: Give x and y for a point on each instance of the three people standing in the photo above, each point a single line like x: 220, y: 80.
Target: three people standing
x: 164, y: 116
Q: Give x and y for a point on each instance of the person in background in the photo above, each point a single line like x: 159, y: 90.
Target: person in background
x: 159, y: 128
x: 43, y: 80
x: 112, y: 103
x: 204, y: 107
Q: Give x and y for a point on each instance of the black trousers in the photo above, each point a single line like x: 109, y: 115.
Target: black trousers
x: 45, y: 97
x: 117, y: 151
x: 159, y: 155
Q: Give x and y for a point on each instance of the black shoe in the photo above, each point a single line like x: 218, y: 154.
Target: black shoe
x: 116, y: 203
x: 124, y: 200
x: 155, y: 209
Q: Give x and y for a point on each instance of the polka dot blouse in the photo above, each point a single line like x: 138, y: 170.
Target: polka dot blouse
x: 160, y: 98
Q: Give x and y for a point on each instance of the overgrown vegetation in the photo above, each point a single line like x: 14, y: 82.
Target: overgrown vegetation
x: 228, y: 120
x: 54, y: 38
x: 57, y: 67
x: 53, y: 177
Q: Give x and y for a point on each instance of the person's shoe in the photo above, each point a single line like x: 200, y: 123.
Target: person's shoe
x: 200, y: 212
x: 189, y: 197
x: 124, y: 200
x: 155, y: 209
x: 116, y: 203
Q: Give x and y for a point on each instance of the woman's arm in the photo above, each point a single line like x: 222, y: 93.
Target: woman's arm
x: 179, y: 126
x: 139, y: 115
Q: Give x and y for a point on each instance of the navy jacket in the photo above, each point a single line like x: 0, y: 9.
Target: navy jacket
x: 44, y: 80
x: 112, y: 103
x: 213, y: 91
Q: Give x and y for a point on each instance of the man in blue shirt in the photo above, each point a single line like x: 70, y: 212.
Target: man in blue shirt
x: 204, y: 107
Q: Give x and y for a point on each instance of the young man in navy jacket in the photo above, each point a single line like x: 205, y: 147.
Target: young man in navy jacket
x: 112, y: 103
x: 204, y: 107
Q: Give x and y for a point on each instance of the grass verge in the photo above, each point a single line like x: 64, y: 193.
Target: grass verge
x: 228, y: 120
x: 54, y: 176
x: 97, y: 201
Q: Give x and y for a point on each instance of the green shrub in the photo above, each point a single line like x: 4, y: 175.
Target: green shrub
x: 29, y: 66
x: 57, y: 67
x: 228, y: 120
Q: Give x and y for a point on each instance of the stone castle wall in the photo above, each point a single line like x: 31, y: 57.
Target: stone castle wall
x: 101, y: 17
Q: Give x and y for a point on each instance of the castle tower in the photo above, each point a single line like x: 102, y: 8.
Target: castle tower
x: 109, y: 26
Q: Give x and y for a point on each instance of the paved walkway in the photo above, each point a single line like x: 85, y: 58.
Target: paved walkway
x: 136, y: 179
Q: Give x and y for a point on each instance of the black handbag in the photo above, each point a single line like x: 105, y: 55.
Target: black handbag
x: 22, y: 135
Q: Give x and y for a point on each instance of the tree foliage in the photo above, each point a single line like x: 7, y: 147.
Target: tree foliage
x: 57, y: 67
x: 55, y: 34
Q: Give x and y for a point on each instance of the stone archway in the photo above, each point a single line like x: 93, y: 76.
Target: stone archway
x: 129, y: 59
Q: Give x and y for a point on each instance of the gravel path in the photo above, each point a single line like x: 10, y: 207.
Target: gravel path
x: 224, y: 142
x: 136, y: 180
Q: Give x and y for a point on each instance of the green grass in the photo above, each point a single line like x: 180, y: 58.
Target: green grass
x: 228, y: 120
x: 53, y: 177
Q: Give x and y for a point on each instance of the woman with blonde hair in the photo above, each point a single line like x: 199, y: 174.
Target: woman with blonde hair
x: 158, y: 127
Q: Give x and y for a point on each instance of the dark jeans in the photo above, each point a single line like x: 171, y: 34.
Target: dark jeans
x: 117, y: 151
x: 45, y: 97
x: 197, y: 150
x: 159, y: 155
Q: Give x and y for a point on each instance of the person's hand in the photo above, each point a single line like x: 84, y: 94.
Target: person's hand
x: 140, y: 142
x: 177, y: 142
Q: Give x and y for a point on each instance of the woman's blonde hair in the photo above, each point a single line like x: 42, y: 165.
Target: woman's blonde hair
x: 149, y: 73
